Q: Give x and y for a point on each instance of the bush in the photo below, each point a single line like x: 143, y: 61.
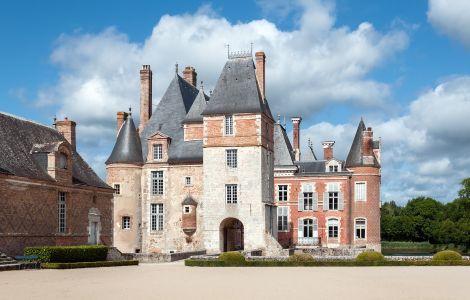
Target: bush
x: 300, y: 258
x: 232, y: 258
x: 370, y: 256
x: 447, y: 255
x: 94, y: 264
x: 67, y: 254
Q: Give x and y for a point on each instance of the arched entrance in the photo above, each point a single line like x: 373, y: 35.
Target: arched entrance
x: 231, y: 235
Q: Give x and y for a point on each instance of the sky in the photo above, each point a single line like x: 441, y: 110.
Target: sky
x: 403, y: 66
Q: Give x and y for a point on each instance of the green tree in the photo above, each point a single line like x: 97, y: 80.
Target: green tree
x: 465, y: 191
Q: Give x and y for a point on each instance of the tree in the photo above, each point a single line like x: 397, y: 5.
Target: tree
x: 465, y: 191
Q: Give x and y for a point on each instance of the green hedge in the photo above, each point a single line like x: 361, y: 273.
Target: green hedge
x: 232, y: 258
x: 94, y: 264
x: 300, y: 258
x: 369, y: 256
x: 447, y: 255
x: 337, y: 263
x: 68, y: 254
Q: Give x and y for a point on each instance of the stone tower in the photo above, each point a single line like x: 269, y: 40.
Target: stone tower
x: 124, y: 169
x: 238, y: 162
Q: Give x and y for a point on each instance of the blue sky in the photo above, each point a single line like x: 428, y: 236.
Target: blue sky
x: 392, y: 62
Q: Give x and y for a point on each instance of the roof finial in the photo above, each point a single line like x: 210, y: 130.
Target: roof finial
x: 251, y: 48
x: 278, y: 119
x: 130, y: 110
x: 285, y: 124
x: 309, y: 143
x: 228, y: 50
x: 202, y: 85
x: 55, y: 121
x: 176, y: 68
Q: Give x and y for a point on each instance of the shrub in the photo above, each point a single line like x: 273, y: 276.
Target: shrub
x: 66, y: 254
x: 447, y: 255
x: 94, y: 264
x: 300, y: 258
x: 370, y: 256
x: 232, y: 258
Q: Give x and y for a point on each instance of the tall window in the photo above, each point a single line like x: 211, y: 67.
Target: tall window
x: 62, y: 211
x: 360, y: 191
x: 231, y: 196
x: 156, y: 216
x: 231, y: 158
x: 157, y: 151
x: 308, y: 228
x: 126, y: 222
x: 360, y: 228
x: 282, y: 218
x: 333, y: 200
x: 308, y: 201
x: 282, y: 193
x: 228, y: 125
x: 117, y: 189
x: 157, y: 182
x: 333, y: 227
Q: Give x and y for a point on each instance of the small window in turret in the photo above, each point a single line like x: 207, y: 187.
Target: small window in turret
x: 62, y: 161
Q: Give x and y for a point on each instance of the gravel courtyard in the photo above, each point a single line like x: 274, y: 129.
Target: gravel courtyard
x: 175, y: 281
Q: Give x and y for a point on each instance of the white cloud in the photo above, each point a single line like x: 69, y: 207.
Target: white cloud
x: 451, y: 18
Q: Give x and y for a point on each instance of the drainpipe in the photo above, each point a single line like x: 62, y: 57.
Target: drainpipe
x: 351, y: 226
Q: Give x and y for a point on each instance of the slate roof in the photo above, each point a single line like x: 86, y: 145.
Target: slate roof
x: 189, y: 201
x: 308, y: 154
x: 355, y: 157
x: 127, y: 148
x: 237, y: 90
x: 168, y: 118
x: 18, y: 137
x: 195, y: 112
x: 311, y: 167
x: 283, y: 152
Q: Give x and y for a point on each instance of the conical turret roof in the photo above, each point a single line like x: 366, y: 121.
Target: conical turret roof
x: 127, y: 148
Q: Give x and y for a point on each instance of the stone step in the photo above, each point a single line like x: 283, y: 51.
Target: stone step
x: 8, y: 262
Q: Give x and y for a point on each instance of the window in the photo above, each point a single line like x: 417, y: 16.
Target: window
x: 157, y: 182
x: 156, y: 217
x: 187, y: 209
x: 231, y: 196
x: 333, y: 168
x: 231, y: 158
x: 126, y: 222
x: 360, y: 191
x: 333, y: 200
x: 157, y: 151
x: 360, y: 228
x: 187, y: 181
x: 308, y: 228
x: 282, y: 193
x: 308, y: 201
x: 228, y: 125
x: 282, y: 218
x: 62, y: 161
x: 333, y: 226
x: 62, y: 211
x: 117, y: 189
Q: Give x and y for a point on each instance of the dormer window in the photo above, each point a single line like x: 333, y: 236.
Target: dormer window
x: 228, y: 125
x: 157, y: 151
x: 333, y: 166
x: 62, y: 161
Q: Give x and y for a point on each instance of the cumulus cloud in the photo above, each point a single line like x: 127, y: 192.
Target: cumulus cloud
x: 424, y: 152
x: 451, y: 18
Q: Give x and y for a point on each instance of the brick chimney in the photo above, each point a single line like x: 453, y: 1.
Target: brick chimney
x: 190, y: 75
x: 121, y: 116
x: 145, y: 95
x: 328, y: 149
x: 67, y: 129
x: 368, y: 142
x: 260, y: 58
x: 296, y: 136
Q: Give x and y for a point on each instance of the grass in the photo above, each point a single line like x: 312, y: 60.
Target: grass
x: 425, y: 248
x: 93, y: 264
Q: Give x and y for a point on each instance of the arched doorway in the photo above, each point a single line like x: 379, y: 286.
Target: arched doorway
x: 231, y: 235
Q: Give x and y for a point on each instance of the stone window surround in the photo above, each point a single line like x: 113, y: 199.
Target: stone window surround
x: 287, y: 191
x: 286, y: 208
x: 126, y: 222
x: 62, y: 212
x: 117, y: 188
x: 356, y: 183
x: 229, y: 125
x: 188, y: 181
x: 362, y: 225
x: 157, y: 217
x: 327, y: 228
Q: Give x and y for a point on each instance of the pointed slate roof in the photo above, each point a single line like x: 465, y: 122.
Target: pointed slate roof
x: 283, y: 152
x: 168, y: 118
x: 18, y: 139
x: 355, y: 157
x: 237, y: 90
x: 308, y: 154
x: 127, y: 148
x: 195, y: 112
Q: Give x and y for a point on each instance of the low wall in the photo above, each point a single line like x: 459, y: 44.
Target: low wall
x: 163, y: 257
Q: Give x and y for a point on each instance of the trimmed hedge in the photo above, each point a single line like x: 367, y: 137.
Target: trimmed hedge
x: 300, y: 258
x: 447, y: 255
x: 68, y: 254
x: 95, y: 264
x: 370, y: 256
x: 232, y: 258
x: 316, y: 263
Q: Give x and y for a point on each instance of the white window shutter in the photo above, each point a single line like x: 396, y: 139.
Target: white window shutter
x: 301, y: 201
x: 340, y: 201
x: 315, y: 201
x: 300, y: 231
x: 325, y: 201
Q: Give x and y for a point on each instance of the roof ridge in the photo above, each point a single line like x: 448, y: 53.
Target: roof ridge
x: 26, y: 120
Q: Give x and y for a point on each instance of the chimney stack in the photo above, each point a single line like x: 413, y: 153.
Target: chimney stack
x: 145, y: 95
x: 296, y: 136
x: 67, y: 129
x: 368, y: 142
x: 121, y: 116
x: 260, y: 58
x: 328, y: 149
x: 190, y: 75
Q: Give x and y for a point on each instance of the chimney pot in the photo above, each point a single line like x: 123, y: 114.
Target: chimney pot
x: 296, y: 136
x: 145, y: 95
x: 190, y: 75
x: 328, y: 149
x: 67, y: 129
x: 260, y: 58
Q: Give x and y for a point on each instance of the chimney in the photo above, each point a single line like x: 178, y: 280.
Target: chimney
x: 145, y: 95
x: 190, y: 75
x: 67, y: 129
x: 121, y: 117
x: 260, y: 71
x: 296, y: 136
x: 328, y: 149
x: 368, y: 142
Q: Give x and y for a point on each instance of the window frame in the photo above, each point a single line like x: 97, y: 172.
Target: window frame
x: 62, y: 212
x: 308, y: 197
x: 231, y: 158
x: 333, y: 200
x: 362, y: 227
x: 117, y: 188
x: 283, y: 195
x: 156, y: 217
x: 364, y: 192
x: 188, y: 183
x: 157, y: 183
x: 126, y: 223
x: 231, y: 193
x: 157, y: 154
x: 229, y: 125
x: 333, y: 230
x: 283, y: 218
